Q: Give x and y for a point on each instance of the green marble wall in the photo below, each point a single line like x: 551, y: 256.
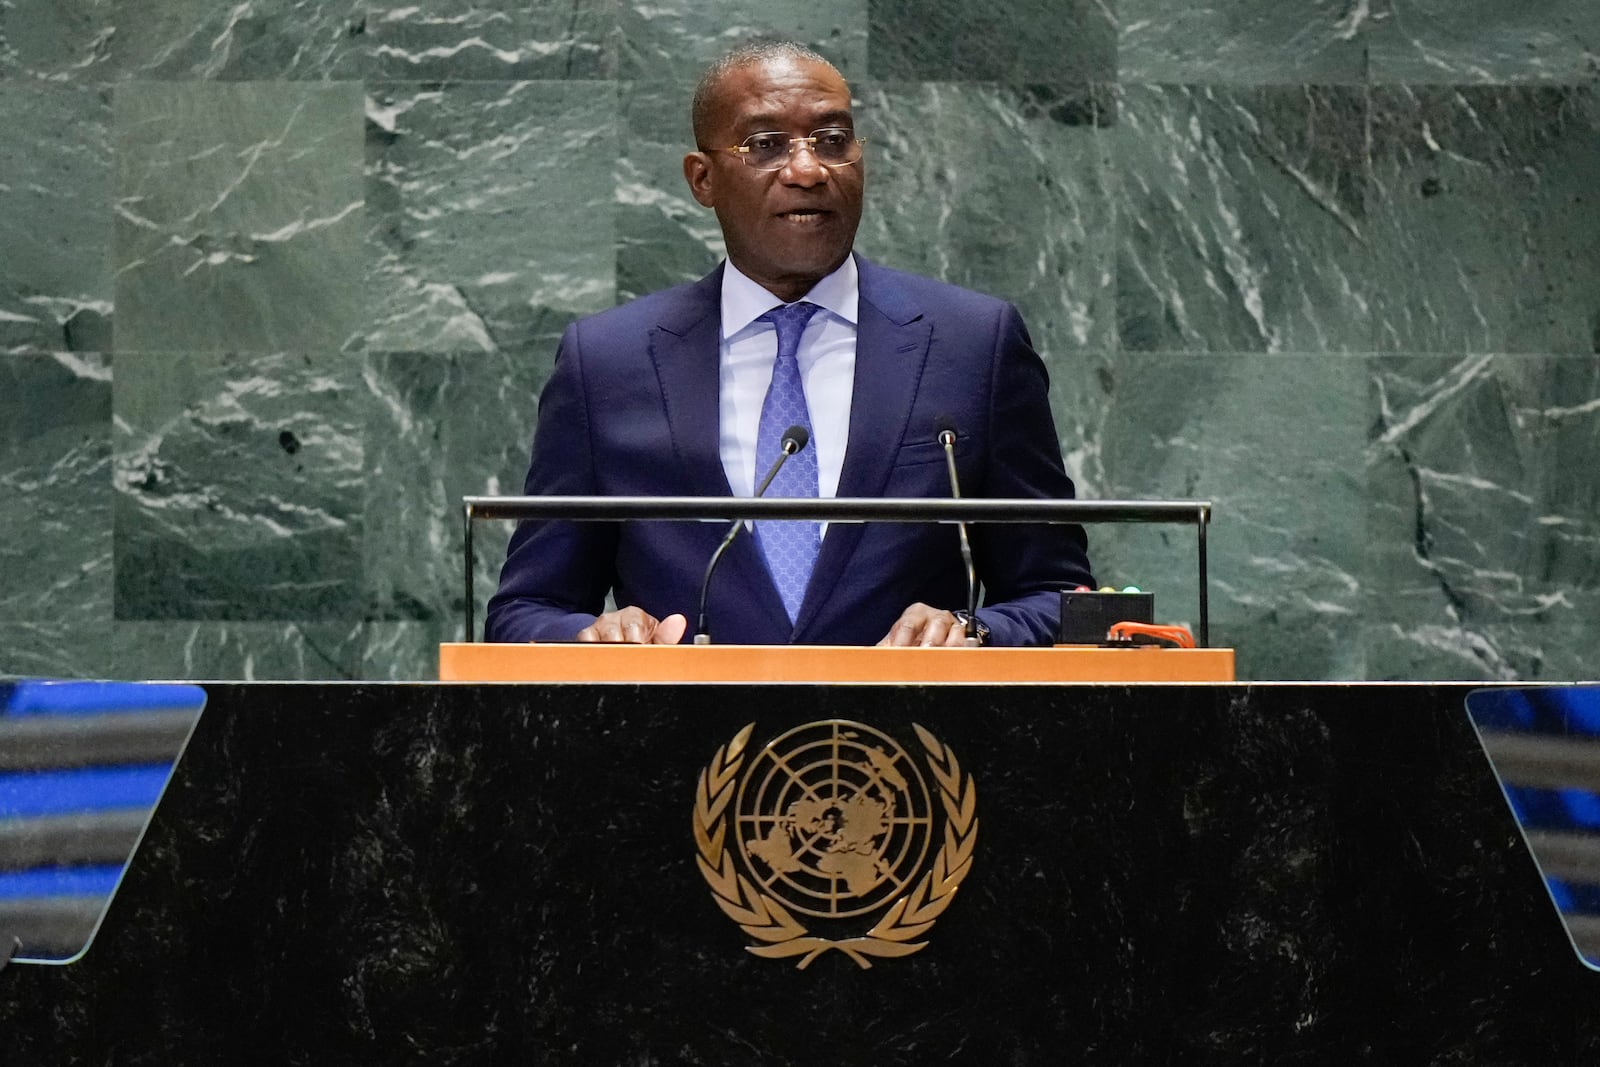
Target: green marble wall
x: 281, y: 280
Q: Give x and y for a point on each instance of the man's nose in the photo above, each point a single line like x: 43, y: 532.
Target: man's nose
x: 803, y: 167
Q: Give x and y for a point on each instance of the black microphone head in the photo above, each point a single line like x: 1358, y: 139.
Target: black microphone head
x: 944, y: 429
x: 795, y: 438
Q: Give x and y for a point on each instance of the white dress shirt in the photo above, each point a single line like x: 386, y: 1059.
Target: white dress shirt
x: 827, y: 359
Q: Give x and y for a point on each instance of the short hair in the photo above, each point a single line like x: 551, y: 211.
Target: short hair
x: 758, y: 51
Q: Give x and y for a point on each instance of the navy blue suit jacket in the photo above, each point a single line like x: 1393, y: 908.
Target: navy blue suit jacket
x: 632, y: 409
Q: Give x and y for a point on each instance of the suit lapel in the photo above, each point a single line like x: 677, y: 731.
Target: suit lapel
x: 892, y: 338
x: 684, y: 347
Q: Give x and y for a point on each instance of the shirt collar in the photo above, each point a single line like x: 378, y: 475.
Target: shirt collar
x: 744, y: 301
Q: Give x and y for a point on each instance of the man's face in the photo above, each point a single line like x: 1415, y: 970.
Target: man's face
x: 785, y: 228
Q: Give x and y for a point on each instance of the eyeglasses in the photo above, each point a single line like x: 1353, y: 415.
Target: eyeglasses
x: 832, y: 147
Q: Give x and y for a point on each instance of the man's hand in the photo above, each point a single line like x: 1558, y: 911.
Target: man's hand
x: 925, y: 626
x: 634, y: 626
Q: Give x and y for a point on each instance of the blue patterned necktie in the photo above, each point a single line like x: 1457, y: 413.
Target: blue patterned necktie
x: 790, y: 547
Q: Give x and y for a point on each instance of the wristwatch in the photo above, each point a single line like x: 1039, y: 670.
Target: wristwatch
x: 973, y: 626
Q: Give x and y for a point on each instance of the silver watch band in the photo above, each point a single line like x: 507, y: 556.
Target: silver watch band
x: 973, y: 626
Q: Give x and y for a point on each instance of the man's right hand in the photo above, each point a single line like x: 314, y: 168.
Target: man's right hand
x: 634, y: 626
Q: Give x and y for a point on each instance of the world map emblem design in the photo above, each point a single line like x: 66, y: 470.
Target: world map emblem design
x: 834, y: 821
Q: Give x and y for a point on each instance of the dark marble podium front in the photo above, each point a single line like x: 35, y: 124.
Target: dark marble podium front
x: 365, y: 874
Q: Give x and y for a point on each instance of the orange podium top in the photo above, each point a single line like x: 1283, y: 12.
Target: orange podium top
x: 460, y: 662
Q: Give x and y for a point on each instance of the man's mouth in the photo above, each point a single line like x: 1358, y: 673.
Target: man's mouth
x: 803, y: 215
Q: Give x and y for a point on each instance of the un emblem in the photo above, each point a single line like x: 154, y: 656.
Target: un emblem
x: 834, y: 821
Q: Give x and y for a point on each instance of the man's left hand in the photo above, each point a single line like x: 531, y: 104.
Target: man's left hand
x: 927, y: 627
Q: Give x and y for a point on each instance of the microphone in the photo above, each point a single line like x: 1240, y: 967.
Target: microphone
x: 947, y: 438
x: 794, y: 439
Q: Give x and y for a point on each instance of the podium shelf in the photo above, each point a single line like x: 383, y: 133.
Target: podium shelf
x: 476, y: 662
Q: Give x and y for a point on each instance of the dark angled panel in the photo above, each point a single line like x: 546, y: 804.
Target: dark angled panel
x: 1162, y: 875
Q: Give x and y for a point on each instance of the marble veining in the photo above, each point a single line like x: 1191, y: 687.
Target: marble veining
x: 1243, y: 220
x: 60, y: 41
x: 438, y: 434
x: 1480, y: 41
x: 55, y: 468
x: 1483, y: 219
x: 250, y: 40
x: 1477, y: 515
x: 251, y: 651
x: 1274, y: 443
x: 463, y: 40
x: 1352, y: 41
x: 239, y: 497
x: 1052, y: 42
x: 1245, y: 41
x: 1329, y: 263
x: 487, y: 204
x: 55, y: 279
x: 203, y: 220
x: 668, y: 43
x: 663, y: 236
x: 1038, y: 231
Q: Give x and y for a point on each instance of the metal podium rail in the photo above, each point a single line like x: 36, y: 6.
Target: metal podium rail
x: 1196, y: 513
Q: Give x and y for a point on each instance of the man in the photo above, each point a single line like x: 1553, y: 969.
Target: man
x: 687, y: 392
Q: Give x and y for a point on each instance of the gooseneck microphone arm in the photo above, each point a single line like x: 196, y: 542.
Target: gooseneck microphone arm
x: 794, y: 439
x: 947, y: 438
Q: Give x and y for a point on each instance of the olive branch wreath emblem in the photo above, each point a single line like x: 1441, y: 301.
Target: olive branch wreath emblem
x: 765, y: 919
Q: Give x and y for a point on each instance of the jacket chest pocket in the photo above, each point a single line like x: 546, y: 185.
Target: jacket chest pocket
x: 920, y: 452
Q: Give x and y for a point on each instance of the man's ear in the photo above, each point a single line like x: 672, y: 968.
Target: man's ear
x: 697, y: 172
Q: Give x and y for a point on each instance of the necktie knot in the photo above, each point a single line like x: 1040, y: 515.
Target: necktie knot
x: 790, y: 321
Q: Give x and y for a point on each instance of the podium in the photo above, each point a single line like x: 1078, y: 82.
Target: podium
x: 475, y: 662
x: 511, y: 873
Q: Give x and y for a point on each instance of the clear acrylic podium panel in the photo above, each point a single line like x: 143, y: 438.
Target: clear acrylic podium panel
x: 1544, y: 745
x: 82, y: 767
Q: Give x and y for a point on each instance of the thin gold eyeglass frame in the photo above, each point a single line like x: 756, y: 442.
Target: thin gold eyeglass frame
x: 810, y: 142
